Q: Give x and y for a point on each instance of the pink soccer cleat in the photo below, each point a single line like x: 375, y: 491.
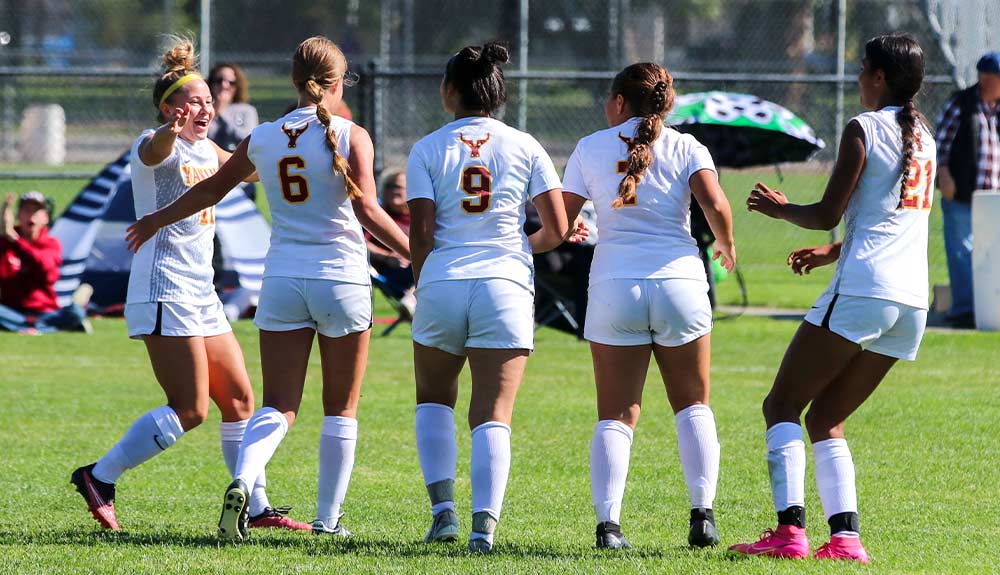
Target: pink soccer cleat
x: 787, y: 542
x: 847, y: 548
x: 100, y: 496
x: 277, y: 518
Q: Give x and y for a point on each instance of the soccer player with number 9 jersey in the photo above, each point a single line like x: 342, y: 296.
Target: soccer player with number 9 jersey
x: 467, y: 187
x: 874, y: 312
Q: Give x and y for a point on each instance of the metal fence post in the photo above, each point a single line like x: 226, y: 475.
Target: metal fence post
x: 522, y: 66
x: 7, y: 146
x: 841, y: 70
x: 206, y: 37
x: 377, y: 126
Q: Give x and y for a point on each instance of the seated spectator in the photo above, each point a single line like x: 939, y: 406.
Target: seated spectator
x: 29, y: 267
x: 392, y: 266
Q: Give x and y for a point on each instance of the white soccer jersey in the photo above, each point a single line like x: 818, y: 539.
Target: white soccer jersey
x: 314, y: 232
x: 480, y: 173
x: 651, y: 238
x: 884, y: 254
x: 176, y: 264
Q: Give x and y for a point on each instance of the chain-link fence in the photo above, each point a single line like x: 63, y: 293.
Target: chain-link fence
x: 96, y: 60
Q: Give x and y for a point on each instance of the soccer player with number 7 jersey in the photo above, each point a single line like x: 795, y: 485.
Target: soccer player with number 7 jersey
x: 467, y: 187
x: 317, y: 172
x: 874, y: 311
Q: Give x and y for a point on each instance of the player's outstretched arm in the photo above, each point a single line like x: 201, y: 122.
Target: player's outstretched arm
x: 202, y: 195
x: 706, y: 189
x: 555, y: 226
x: 366, y: 208
x: 826, y: 213
x: 160, y: 144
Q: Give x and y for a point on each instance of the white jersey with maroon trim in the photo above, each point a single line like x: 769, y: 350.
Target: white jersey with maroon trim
x: 480, y: 173
x: 651, y: 236
x: 314, y: 231
x: 884, y: 254
x: 176, y: 264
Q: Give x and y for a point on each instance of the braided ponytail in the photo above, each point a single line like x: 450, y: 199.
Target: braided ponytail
x: 907, y: 117
x: 648, y: 90
x: 317, y: 64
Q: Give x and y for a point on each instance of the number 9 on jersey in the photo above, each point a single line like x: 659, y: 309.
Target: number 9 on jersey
x: 477, y: 182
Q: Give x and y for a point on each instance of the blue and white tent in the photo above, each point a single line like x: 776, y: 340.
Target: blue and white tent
x: 92, y: 233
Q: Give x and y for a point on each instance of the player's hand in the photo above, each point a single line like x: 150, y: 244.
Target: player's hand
x: 578, y: 232
x: 725, y: 251
x: 805, y: 260
x: 178, y: 119
x: 766, y: 201
x: 140, y: 232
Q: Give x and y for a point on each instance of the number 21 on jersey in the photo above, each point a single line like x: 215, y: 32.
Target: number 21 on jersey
x: 478, y: 183
x: 915, y: 198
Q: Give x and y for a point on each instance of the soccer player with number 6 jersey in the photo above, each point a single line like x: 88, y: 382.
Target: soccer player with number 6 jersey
x: 317, y: 173
x: 467, y: 186
x: 648, y: 293
x: 172, y: 305
x: 873, y: 312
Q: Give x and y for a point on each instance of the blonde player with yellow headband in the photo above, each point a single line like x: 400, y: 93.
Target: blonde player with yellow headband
x: 172, y: 305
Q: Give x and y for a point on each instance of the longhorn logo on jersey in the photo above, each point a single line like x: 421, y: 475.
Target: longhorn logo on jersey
x: 293, y: 134
x: 474, y: 145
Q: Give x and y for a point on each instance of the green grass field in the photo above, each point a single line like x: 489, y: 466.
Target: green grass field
x: 925, y: 448
x: 762, y: 244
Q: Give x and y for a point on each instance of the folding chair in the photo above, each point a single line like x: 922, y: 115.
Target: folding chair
x: 554, y: 306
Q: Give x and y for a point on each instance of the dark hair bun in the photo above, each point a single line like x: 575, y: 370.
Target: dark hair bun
x: 495, y: 53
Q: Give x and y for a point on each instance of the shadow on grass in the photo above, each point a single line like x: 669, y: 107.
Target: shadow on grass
x: 309, y: 544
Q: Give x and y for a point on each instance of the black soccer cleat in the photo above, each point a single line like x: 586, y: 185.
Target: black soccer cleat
x: 609, y: 536
x: 233, y: 523
x: 703, y: 532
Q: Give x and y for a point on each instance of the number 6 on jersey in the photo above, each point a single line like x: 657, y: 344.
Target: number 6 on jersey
x: 294, y: 186
x: 478, y: 182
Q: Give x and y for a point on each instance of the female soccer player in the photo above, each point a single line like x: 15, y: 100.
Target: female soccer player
x: 875, y: 309
x: 468, y: 184
x: 172, y: 305
x: 648, y: 292
x: 317, y: 173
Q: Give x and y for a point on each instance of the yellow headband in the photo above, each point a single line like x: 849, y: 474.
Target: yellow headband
x: 177, y: 85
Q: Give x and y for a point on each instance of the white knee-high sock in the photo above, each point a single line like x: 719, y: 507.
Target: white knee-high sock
x: 438, y: 453
x: 231, y: 434
x: 264, y: 433
x: 698, y: 444
x: 150, y: 435
x: 610, y: 450
x: 490, y: 470
x: 786, y: 464
x: 835, y: 478
x: 336, y: 461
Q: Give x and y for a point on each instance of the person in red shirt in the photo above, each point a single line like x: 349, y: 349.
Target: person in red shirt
x: 29, y: 267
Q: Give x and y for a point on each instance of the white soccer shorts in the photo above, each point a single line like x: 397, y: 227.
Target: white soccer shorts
x: 332, y: 308
x: 176, y: 319
x: 882, y: 326
x: 491, y: 313
x: 667, y: 312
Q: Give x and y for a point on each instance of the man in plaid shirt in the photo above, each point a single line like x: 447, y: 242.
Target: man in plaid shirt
x: 968, y: 142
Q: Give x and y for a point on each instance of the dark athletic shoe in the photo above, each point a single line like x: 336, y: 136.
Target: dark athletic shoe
x: 609, y: 536
x: 100, y: 496
x: 233, y: 523
x: 703, y: 532
x: 444, y: 528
